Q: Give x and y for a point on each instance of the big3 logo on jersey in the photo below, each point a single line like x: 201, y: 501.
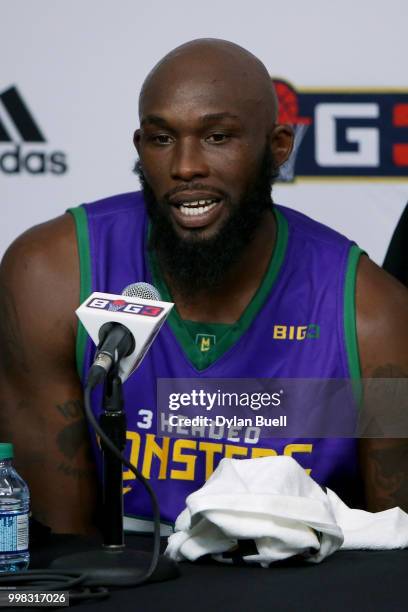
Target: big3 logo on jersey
x: 345, y: 133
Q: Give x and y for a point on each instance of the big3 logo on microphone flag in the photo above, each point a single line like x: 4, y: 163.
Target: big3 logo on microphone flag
x: 142, y: 317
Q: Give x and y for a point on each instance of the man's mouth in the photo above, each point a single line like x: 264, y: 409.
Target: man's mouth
x: 198, y: 207
x: 196, y: 212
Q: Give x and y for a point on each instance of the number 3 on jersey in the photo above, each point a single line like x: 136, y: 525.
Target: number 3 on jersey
x: 146, y: 417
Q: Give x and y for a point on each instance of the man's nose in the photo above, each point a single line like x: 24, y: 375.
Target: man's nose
x: 189, y: 160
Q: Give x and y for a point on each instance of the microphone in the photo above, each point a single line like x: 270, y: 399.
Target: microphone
x: 123, y: 329
x: 115, y: 340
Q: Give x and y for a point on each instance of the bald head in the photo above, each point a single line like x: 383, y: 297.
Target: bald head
x: 217, y: 65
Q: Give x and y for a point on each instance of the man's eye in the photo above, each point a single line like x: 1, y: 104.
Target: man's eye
x: 162, y: 139
x: 217, y: 137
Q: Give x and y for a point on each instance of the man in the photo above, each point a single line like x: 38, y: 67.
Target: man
x: 234, y: 265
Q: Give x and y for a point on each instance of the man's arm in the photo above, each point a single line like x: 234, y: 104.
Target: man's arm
x: 40, y: 393
x: 382, y: 328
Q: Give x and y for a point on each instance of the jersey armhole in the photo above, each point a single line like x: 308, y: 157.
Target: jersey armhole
x: 350, y: 321
x: 82, y: 234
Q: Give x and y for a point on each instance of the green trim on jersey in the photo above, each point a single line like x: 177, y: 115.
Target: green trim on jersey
x: 81, y: 225
x: 350, y: 320
x: 202, y: 360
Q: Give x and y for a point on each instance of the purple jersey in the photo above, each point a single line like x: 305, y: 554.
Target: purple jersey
x: 304, y: 327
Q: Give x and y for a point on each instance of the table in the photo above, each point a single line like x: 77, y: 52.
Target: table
x: 348, y: 581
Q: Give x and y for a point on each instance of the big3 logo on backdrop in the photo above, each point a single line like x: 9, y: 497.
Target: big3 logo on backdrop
x: 345, y: 133
x: 23, y: 146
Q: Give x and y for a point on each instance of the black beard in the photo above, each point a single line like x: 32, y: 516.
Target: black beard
x: 197, y: 265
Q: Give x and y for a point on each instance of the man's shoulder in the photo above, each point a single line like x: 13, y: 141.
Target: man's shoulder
x: 39, y: 276
x: 44, y: 255
x: 43, y: 246
x: 131, y: 201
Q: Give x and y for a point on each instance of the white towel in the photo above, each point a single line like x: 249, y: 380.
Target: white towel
x: 370, y: 530
x: 274, y: 503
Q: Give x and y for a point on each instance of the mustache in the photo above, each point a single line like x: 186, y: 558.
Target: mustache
x: 184, y: 187
x: 194, y: 186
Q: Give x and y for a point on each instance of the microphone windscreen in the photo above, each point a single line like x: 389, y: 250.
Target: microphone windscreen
x: 145, y: 291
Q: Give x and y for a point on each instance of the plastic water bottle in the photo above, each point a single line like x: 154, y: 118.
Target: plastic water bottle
x: 14, y: 510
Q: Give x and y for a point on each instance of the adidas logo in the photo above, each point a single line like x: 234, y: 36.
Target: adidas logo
x: 18, y: 127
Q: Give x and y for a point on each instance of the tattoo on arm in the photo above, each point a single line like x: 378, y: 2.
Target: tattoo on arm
x: 72, y: 438
x: 385, y: 459
x: 78, y: 473
x: 13, y: 354
x: 75, y: 435
x: 384, y: 412
x: 72, y: 409
x: 388, y: 475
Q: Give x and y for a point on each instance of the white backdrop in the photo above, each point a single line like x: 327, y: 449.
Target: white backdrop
x: 78, y: 66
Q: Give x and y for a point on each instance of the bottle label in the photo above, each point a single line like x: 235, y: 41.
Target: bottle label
x: 13, y: 533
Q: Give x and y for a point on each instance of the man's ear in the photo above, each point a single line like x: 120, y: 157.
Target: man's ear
x: 136, y: 140
x: 282, y: 138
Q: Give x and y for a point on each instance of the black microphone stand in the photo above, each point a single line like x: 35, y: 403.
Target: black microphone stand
x: 113, y: 564
x: 113, y: 422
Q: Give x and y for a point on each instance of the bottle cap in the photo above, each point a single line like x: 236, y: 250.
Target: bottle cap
x: 6, y: 450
